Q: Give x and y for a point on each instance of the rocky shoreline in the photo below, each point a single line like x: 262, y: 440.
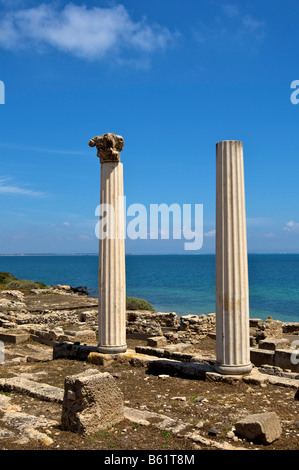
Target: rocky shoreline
x: 45, y: 328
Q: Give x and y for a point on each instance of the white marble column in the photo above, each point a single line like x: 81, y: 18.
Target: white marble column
x: 232, y: 290
x: 112, y: 282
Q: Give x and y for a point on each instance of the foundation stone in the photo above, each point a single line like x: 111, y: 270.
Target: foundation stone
x: 92, y: 402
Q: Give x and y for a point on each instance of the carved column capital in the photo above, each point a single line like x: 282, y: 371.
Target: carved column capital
x: 108, y: 146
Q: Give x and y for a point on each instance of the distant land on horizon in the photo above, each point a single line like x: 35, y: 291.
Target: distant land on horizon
x: 146, y: 254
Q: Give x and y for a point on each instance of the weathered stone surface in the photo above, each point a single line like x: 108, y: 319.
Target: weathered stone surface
x: 108, y: 146
x: 25, y: 427
x: 291, y: 327
x: 28, y: 387
x: 271, y: 344
x: 171, y: 367
x: 261, y: 378
x: 92, y: 401
x: 177, y: 348
x: 148, y: 350
x: 198, y: 438
x: 85, y: 335
x: 262, y: 427
x: 287, y: 359
x: 15, y: 338
x: 259, y: 357
x: 100, y: 359
x: 157, y: 342
x: 255, y: 378
x: 161, y: 421
x: 72, y: 351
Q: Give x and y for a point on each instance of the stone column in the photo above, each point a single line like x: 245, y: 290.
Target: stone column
x: 112, y: 282
x: 232, y: 291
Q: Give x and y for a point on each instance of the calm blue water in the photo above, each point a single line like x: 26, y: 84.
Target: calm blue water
x: 182, y: 284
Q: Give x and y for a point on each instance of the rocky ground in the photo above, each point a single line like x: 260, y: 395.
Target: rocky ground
x: 162, y: 411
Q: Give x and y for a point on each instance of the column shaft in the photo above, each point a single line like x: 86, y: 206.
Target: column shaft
x: 112, y: 279
x: 232, y: 290
x: 112, y: 282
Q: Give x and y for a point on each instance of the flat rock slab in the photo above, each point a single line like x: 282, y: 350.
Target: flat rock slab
x: 144, y: 417
x: 41, y: 391
x: 258, y: 378
x: 183, y: 369
x: 42, y: 302
x: 22, y: 426
x: 273, y: 343
x: 198, y: 438
x: 14, y: 338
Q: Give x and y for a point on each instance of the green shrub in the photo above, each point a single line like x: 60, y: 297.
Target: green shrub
x: 138, y: 304
x: 5, y: 278
x: 10, y: 282
x: 20, y: 284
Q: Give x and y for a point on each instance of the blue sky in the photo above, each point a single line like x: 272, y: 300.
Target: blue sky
x: 173, y: 78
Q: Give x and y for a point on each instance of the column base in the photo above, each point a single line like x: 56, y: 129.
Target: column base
x: 233, y: 369
x: 112, y: 349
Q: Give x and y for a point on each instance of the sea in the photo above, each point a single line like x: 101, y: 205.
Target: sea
x: 184, y: 284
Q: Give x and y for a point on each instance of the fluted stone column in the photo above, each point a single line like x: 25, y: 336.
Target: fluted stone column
x: 232, y: 290
x: 112, y: 282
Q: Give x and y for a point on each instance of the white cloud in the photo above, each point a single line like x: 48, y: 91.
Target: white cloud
x: 210, y: 234
x: 269, y: 235
x: 231, y: 24
x: 41, y: 149
x: 62, y: 224
x: 7, y: 188
x: 253, y: 26
x: 85, y: 237
x: 291, y: 226
x: 231, y: 10
x: 258, y: 221
x: 89, y: 33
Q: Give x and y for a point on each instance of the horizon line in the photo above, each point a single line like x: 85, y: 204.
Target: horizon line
x: 145, y: 254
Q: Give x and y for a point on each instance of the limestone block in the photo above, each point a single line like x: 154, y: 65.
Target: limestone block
x: 273, y: 343
x: 92, y: 401
x: 85, y: 335
x: 15, y: 338
x: 157, y: 342
x: 100, y: 359
x: 290, y: 327
x: 262, y: 427
x: 259, y: 357
x: 287, y: 359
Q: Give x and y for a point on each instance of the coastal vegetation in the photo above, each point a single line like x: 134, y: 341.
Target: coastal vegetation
x: 132, y: 303
x: 9, y: 282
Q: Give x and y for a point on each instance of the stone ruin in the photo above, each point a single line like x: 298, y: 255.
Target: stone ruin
x: 92, y: 402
